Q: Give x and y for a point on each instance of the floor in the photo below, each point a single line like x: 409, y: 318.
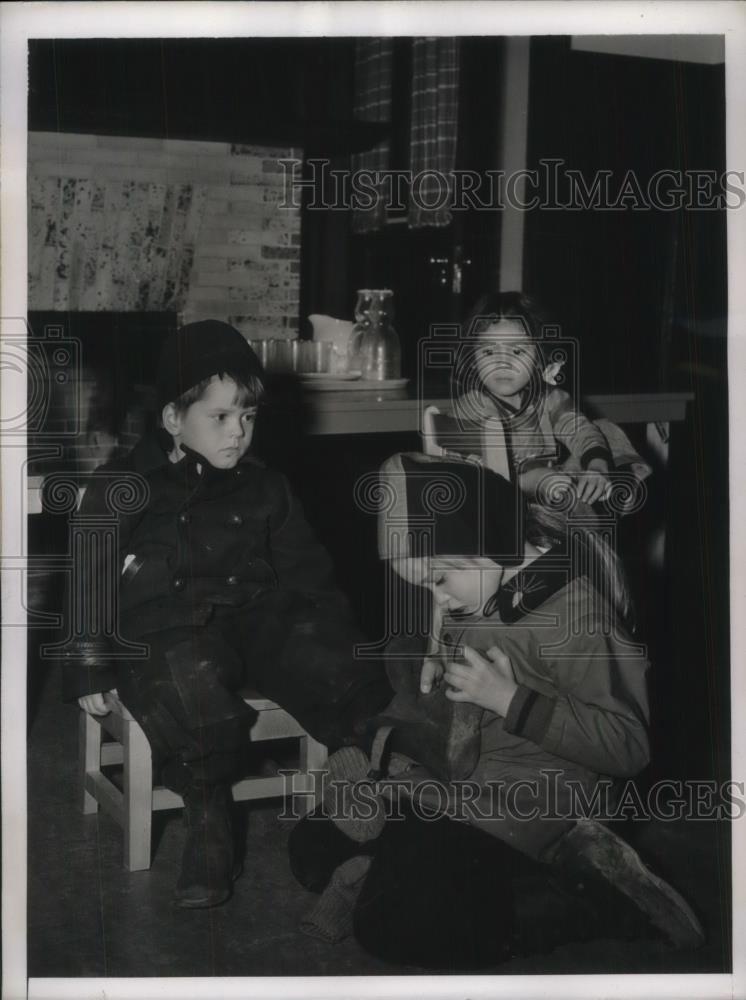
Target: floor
x: 89, y: 917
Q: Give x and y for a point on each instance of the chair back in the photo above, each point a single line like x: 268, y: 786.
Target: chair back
x: 483, y: 441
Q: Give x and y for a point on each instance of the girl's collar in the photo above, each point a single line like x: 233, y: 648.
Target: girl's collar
x: 530, y: 588
x: 505, y: 410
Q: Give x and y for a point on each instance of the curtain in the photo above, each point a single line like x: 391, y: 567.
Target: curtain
x: 113, y: 245
x: 434, y: 129
x: 373, y: 73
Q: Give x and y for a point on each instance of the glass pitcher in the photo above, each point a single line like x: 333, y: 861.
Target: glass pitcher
x: 374, y: 347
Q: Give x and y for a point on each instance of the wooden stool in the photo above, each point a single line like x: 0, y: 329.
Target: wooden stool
x: 133, y: 806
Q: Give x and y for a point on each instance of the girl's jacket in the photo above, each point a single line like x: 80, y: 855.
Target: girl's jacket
x: 582, y: 693
x: 551, y: 430
x: 581, y: 707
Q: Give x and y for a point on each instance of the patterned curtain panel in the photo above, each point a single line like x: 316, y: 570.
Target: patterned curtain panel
x: 432, y: 143
x: 373, y: 71
x: 115, y: 245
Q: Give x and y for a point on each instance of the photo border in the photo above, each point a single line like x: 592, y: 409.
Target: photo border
x: 20, y: 22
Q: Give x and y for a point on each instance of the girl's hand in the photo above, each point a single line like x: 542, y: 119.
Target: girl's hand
x: 485, y: 681
x: 594, y: 484
x: 432, y: 672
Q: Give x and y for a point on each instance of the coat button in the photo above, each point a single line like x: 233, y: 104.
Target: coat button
x: 178, y: 582
x: 448, y: 637
x: 232, y: 581
x: 184, y: 518
x: 235, y: 519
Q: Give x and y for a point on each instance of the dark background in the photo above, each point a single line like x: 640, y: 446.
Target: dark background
x: 644, y: 293
x: 633, y: 286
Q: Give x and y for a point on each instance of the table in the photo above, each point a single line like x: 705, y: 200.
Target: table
x: 371, y: 412
x: 400, y: 411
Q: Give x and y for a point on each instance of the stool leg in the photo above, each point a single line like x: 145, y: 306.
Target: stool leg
x: 313, y: 757
x: 138, y: 797
x: 316, y: 755
x: 89, y: 758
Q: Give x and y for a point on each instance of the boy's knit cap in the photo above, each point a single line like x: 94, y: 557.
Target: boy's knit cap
x: 199, y: 350
x: 446, y: 507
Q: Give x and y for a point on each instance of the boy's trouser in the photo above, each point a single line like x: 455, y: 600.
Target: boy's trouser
x: 185, y: 694
x: 183, y: 698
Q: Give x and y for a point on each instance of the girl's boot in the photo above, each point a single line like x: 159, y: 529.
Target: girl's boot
x: 598, y: 865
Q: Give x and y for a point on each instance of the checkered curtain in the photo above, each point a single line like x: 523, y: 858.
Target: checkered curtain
x: 434, y: 129
x: 373, y: 70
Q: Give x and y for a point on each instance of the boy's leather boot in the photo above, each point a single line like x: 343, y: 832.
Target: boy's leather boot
x: 207, y: 865
x: 597, y: 864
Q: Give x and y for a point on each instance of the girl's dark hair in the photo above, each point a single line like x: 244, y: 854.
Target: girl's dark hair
x: 492, y: 307
x: 550, y: 527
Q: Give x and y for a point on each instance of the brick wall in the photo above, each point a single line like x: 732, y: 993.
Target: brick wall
x: 245, y: 262
x: 154, y: 225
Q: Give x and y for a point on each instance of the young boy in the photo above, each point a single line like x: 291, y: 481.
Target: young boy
x: 535, y: 696
x: 225, y: 583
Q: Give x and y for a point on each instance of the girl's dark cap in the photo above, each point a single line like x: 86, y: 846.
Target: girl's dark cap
x: 448, y: 507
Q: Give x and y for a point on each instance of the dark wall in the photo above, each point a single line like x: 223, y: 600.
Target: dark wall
x: 264, y: 90
x: 629, y: 284
x: 645, y: 293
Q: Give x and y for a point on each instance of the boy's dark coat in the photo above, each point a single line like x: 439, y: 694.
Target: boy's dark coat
x: 221, y: 546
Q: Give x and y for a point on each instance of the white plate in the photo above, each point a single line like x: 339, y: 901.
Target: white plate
x: 329, y: 376
x: 335, y: 384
